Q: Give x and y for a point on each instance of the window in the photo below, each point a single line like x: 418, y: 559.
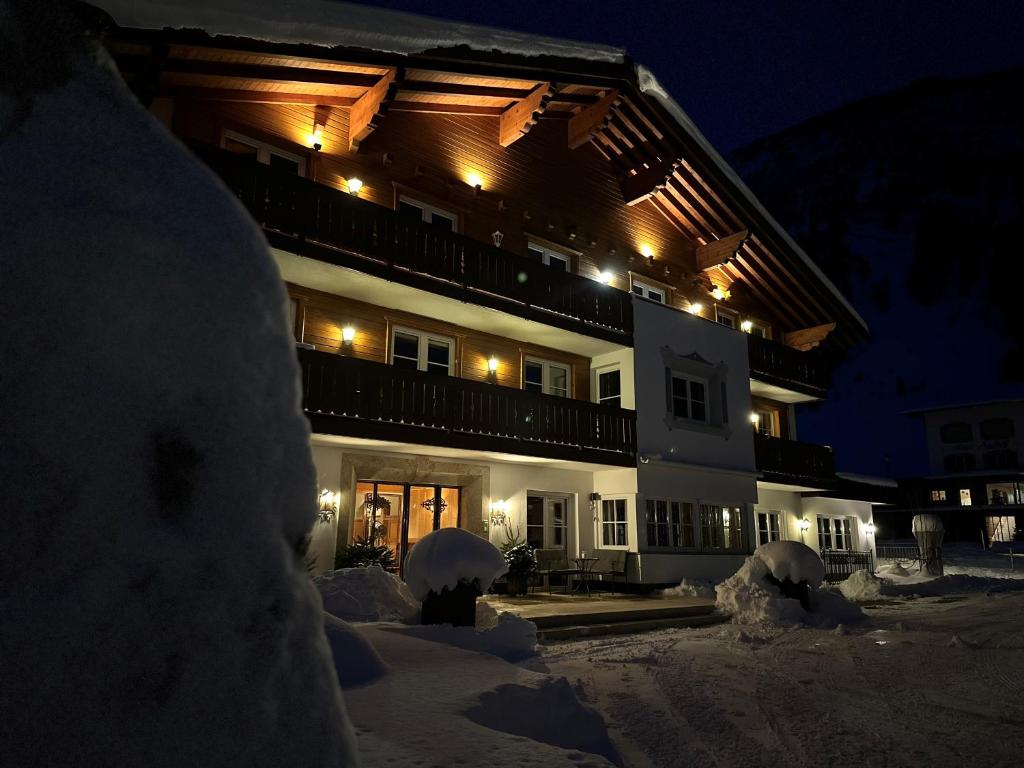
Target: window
x: 766, y: 422
x: 1000, y: 459
x: 548, y: 257
x: 957, y: 432
x: 1003, y: 493
x: 683, y: 526
x: 835, y: 533
x: 609, y: 388
x: 648, y: 291
x: 959, y: 462
x: 938, y: 495
x: 997, y: 429
x: 689, y: 398
x: 760, y: 330
x: 725, y: 317
x: 268, y: 154
x: 1000, y: 528
x: 614, y: 523
x: 721, y: 527
x: 547, y: 521
x: 431, y: 214
x: 421, y: 351
x: 769, y: 526
x: 670, y: 524
x: 545, y: 376
x: 965, y: 497
x: 657, y: 523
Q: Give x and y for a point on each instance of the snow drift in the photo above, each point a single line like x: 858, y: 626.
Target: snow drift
x: 366, y: 594
x: 444, y: 558
x: 751, y: 598
x: 504, y: 635
x: 355, y: 660
x: 155, y: 466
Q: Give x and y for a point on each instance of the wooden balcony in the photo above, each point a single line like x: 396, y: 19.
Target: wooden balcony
x: 314, y: 220
x: 361, y: 398
x: 782, y: 366
x: 794, y: 463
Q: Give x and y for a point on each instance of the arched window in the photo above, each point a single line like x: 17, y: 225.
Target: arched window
x: 997, y: 429
x: 956, y: 432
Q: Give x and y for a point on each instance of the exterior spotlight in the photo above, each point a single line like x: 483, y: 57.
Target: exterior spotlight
x: 474, y: 179
x: 696, y: 308
x: 718, y: 294
x: 604, y: 277
x: 746, y: 326
x: 354, y: 185
x: 646, y: 251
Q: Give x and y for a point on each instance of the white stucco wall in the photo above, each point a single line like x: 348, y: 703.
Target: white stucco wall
x: 623, y: 360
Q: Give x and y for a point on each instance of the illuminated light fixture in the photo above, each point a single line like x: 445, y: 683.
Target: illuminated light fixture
x: 348, y: 333
x: 328, y: 505
x: 474, y: 179
x: 718, y: 294
x: 492, y: 364
x: 869, y: 529
x: 316, y: 138
x: 604, y: 277
x: 746, y: 326
x: 354, y: 185
x: 725, y: 516
x: 755, y: 419
x: 696, y: 308
x: 803, y: 524
x: 646, y: 251
x: 499, y: 512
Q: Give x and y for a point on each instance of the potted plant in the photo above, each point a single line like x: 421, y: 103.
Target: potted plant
x: 521, y: 560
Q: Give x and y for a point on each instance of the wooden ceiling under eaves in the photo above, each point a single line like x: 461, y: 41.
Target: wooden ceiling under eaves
x: 657, y: 163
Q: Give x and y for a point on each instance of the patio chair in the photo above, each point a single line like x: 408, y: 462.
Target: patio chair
x: 613, y: 567
x: 553, y: 562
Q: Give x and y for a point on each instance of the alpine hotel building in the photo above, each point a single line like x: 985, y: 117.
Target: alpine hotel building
x: 525, y: 290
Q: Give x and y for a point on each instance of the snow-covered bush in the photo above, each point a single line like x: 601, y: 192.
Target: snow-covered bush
x: 444, y: 558
x: 366, y: 594
x: 155, y: 467
x: 860, y: 586
x: 753, y: 595
x: 691, y: 588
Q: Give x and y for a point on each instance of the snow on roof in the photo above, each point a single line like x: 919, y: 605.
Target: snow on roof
x: 333, y: 23
x: 650, y: 86
x: 883, y: 482
x: 962, y: 406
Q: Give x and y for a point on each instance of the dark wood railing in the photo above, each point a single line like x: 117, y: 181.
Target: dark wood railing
x: 314, y: 213
x: 789, y: 459
x: 840, y: 564
x: 775, y: 363
x: 362, y: 398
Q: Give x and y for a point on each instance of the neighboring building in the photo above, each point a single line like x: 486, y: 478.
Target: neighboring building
x: 524, y: 287
x: 976, y: 479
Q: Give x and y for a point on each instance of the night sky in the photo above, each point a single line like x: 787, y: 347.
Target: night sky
x: 748, y: 68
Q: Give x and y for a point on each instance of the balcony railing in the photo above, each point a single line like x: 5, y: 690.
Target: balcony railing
x: 362, y: 398
x: 296, y: 212
x: 775, y: 363
x: 795, y: 462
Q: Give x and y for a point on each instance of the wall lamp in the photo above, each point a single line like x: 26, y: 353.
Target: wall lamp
x: 492, y: 368
x: 354, y: 185
x: 696, y: 308
x: 803, y: 524
x: 869, y: 529
x: 746, y: 326
x: 499, y: 512
x: 348, y: 335
x: 328, y: 505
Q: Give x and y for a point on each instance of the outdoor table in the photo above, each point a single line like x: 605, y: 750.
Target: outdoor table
x: 586, y: 566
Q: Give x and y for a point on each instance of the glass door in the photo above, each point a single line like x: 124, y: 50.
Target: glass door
x: 547, y: 521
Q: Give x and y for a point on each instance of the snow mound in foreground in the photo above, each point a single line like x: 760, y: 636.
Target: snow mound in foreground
x: 366, y: 594
x: 861, y: 585
x: 751, y: 598
x: 549, y: 713
x: 504, y: 635
x: 355, y: 660
x: 690, y: 588
x: 444, y: 558
x: 155, y: 465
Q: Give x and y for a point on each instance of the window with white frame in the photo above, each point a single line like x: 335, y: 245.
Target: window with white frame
x: 721, y: 527
x: 547, y: 521
x: 835, y: 533
x: 431, y: 214
x: 726, y: 317
x: 938, y: 495
x: 549, y: 257
x: 689, y: 398
x: 614, y: 527
x: 769, y: 527
x: 609, y: 387
x: 417, y: 350
x: 546, y: 376
x: 965, y: 497
x: 268, y: 154
x: 648, y: 291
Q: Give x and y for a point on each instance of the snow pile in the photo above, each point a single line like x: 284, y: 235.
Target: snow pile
x: 751, y: 598
x: 355, y: 660
x: 949, y: 585
x: 691, y: 588
x: 366, y: 594
x: 504, y: 635
x: 445, y: 557
x: 860, y: 586
x: 155, y: 466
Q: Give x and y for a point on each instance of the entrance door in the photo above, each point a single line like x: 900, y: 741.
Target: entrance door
x: 397, y: 515
x: 547, y: 521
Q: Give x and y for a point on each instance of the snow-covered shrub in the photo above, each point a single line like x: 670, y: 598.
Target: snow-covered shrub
x: 155, y: 466
x: 860, y: 586
x: 366, y: 594
x: 520, y: 559
x: 444, y: 558
x: 355, y: 660
x: 753, y: 596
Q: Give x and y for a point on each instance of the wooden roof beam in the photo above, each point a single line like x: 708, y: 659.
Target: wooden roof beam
x: 368, y: 112
x: 646, y: 181
x: 721, y: 251
x: 517, y: 120
x: 808, y: 338
x: 255, y: 97
x: 270, y: 74
x: 591, y: 119
x: 438, y: 88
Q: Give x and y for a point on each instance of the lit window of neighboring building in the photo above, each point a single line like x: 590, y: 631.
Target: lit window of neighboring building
x: 938, y: 495
x: 965, y: 497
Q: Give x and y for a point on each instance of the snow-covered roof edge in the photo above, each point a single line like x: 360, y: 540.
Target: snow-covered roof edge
x: 333, y: 23
x: 882, y: 482
x: 650, y: 86
x: 962, y: 406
